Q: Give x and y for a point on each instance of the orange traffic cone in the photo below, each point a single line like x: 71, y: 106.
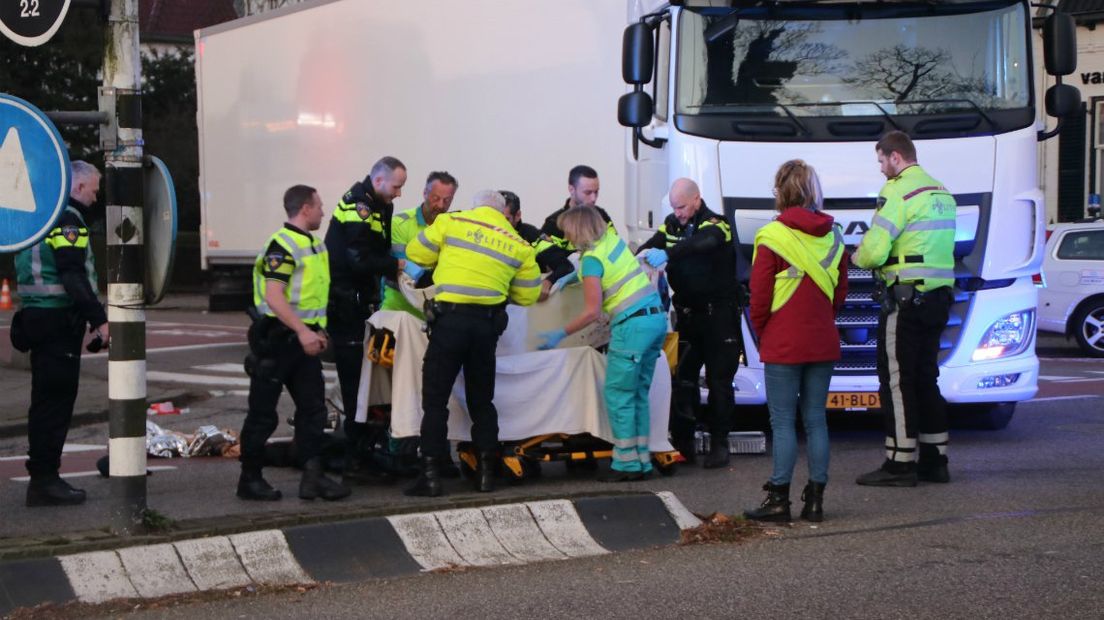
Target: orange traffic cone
x: 5, y: 296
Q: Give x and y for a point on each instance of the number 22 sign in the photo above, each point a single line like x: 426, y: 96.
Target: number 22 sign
x: 32, y: 22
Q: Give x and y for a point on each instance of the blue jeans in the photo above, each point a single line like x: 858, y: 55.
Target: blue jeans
x: 634, y: 347
x: 788, y: 386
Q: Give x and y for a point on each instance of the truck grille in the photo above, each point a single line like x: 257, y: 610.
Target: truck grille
x: 857, y: 323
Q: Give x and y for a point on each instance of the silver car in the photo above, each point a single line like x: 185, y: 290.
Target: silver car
x: 1071, y: 285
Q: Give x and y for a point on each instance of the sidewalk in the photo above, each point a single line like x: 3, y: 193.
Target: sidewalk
x: 194, y: 498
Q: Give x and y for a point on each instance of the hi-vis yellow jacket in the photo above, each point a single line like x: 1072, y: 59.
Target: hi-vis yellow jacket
x: 816, y: 257
x: 478, y: 258
x: 911, y: 238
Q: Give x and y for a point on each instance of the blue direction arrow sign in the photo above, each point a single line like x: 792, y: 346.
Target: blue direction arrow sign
x: 34, y: 174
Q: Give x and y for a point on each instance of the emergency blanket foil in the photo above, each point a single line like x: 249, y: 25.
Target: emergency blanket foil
x: 206, y: 441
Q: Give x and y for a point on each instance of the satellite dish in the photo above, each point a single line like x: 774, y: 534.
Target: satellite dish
x: 161, y: 222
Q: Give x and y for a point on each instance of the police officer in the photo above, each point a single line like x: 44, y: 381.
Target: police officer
x: 291, y: 286
x: 910, y: 245
x: 480, y: 264
x: 57, y: 286
x: 359, y: 242
x: 582, y: 190
x: 695, y: 244
x: 440, y: 189
x: 530, y: 233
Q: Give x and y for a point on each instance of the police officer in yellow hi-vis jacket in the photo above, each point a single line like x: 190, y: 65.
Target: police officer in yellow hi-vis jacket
x: 910, y: 245
x: 479, y: 264
x: 291, y: 286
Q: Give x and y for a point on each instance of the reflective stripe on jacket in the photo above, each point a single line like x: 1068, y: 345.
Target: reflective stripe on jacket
x: 911, y: 237
x: 38, y: 281
x: 404, y: 227
x: 308, y: 291
x: 477, y: 258
x: 817, y: 257
x: 623, y: 281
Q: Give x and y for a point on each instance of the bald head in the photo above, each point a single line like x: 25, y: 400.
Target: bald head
x: 685, y: 199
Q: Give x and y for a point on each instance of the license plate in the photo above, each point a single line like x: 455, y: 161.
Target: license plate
x: 853, y: 400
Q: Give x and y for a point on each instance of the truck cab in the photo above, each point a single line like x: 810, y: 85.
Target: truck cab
x: 725, y: 92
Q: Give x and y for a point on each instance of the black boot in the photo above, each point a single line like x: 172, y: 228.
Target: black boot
x: 448, y: 468
x: 776, y: 507
x: 486, y: 472
x: 718, y: 451
x: 359, y: 469
x: 53, y: 491
x: 932, y: 466
x: 813, y: 496
x: 890, y: 474
x: 428, y: 483
x: 252, y: 486
x: 315, y: 483
x: 688, y: 448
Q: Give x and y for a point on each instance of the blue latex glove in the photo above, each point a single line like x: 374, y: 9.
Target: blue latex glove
x: 413, y: 270
x: 656, y: 257
x: 551, y: 339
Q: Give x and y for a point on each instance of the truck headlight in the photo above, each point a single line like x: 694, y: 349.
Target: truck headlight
x: 1008, y: 336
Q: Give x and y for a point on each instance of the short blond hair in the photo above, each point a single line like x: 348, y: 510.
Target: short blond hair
x: 582, y: 226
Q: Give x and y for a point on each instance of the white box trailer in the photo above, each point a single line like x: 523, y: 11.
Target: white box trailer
x: 503, y: 94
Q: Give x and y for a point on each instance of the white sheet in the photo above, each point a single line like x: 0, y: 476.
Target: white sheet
x: 536, y: 392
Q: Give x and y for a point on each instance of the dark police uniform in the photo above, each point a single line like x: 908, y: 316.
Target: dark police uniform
x: 553, y: 249
x: 701, y: 270
x: 57, y: 283
x: 298, y: 260
x: 359, y: 243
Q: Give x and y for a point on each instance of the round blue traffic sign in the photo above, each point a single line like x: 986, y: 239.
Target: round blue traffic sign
x: 34, y: 174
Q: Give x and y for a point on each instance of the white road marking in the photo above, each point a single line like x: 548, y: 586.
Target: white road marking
x: 87, y: 474
x: 155, y: 570
x: 212, y: 563
x: 267, y: 557
x: 97, y: 576
x: 237, y: 368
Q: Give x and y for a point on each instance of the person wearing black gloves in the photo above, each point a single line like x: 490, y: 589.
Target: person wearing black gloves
x: 694, y: 244
x: 57, y: 286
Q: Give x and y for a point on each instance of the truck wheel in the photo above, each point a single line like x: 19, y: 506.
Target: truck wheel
x: 1088, y: 327
x: 981, y: 416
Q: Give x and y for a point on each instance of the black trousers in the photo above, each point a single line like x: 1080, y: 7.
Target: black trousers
x: 908, y: 374
x: 708, y: 336
x: 347, y: 337
x: 301, y: 374
x: 461, y: 338
x: 56, y: 336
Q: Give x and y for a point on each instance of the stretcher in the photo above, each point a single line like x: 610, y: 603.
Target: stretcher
x: 550, y: 404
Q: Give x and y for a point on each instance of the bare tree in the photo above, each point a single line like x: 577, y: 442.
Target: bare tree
x: 903, y: 74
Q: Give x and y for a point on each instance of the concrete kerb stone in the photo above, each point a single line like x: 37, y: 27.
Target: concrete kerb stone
x: 353, y: 550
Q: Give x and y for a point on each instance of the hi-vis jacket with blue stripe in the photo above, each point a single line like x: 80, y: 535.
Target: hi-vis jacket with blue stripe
x: 478, y: 258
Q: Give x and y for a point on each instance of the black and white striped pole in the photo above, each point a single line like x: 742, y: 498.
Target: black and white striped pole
x: 122, y: 143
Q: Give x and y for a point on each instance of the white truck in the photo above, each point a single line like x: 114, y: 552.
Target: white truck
x: 511, y: 93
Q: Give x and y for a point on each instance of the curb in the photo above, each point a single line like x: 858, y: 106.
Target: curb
x: 351, y: 551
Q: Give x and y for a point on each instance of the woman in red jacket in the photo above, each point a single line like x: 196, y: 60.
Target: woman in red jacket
x: 798, y: 282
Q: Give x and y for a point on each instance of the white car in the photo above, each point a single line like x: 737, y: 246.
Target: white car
x: 1071, y: 286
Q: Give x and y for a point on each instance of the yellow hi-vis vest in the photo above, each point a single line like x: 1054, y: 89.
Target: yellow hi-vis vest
x: 478, y: 257
x: 911, y: 237
x: 404, y: 227
x: 308, y: 291
x: 623, y: 281
x: 816, y: 257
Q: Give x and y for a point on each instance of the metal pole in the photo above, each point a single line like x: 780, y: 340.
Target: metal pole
x: 121, y: 96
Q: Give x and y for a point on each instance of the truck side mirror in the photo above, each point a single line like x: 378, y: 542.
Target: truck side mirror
x: 1060, y: 44
x: 1062, y: 100
x: 635, y: 109
x: 638, y: 54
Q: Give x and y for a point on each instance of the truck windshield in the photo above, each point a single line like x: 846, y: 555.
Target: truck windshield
x: 855, y: 60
